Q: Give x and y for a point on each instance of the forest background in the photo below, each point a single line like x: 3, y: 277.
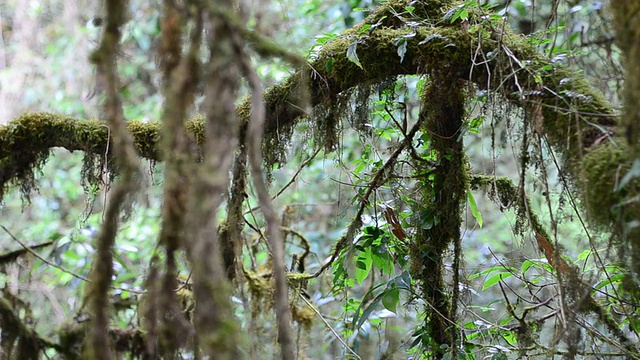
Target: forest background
x: 361, y: 187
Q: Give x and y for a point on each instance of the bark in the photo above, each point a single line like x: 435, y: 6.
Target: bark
x: 627, y: 16
x: 217, y: 329
x: 127, y: 160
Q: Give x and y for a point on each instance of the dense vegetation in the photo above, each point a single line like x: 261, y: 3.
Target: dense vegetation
x: 432, y: 179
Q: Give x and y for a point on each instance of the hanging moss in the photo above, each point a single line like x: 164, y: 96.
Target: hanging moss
x: 261, y: 290
x: 303, y: 316
x: 443, y: 193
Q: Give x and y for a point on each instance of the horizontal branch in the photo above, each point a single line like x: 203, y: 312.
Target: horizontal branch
x: 571, y: 114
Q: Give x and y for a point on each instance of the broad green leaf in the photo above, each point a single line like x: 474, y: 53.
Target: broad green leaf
x: 464, y: 14
x: 506, y: 320
x: 634, y: 322
x: 352, y: 55
x: 470, y: 325
x: 501, y: 268
x: 383, y: 261
x: 64, y: 278
x: 494, y: 279
x: 612, y: 279
x: 390, y: 299
x: 474, y: 208
x: 427, y: 219
x: 71, y: 255
x: 339, y: 273
x: 364, y: 28
x: 363, y: 265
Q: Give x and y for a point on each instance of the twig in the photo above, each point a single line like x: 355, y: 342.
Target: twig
x: 376, y: 182
x: 13, y: 255
x: 47, y: 262
x: 293, y: 178
x: 329, y: 327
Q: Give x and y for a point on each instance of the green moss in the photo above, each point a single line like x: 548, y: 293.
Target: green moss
x: 443, y: 190
x: 195, y: 127
x: 147, y: 136
x: 603, y: 167
x: 303, y: 316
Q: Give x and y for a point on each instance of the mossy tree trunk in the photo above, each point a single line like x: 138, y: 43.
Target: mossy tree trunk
x: 438, y: 229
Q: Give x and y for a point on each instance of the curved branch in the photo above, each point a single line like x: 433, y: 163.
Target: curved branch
x: 575, y: 117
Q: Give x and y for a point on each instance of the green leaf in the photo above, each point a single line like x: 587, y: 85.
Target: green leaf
x: 352, y: 54
x: 71, y: 256
x: 427, y: 219
x: 474, y: 208
x: 339, y: 273
x: 501, y: 268
x: 367, y: 312
x: 526, y: 265
x: 494, y: 279
x: 453, y: 14
x: 363, y: 265
x: 470, y: 325
x: 537, y: 78
x: 506, y: 321
x: 364, y: 28
x: 584, y: 255
x: 510, y: 337
x: 612, y: 279
x: 634, y: 322
x: 383, y: 260
x: 464, y: 14
x: 390, y: 299
x: 64, y: 278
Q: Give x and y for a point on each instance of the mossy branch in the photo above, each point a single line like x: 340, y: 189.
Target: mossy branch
x: 575, y: 117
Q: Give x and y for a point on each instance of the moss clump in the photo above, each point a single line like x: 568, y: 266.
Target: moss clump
x: 603, y: 168
x: 303, y: 316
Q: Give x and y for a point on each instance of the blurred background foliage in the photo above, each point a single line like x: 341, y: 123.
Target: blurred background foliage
x: 44, y: 45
